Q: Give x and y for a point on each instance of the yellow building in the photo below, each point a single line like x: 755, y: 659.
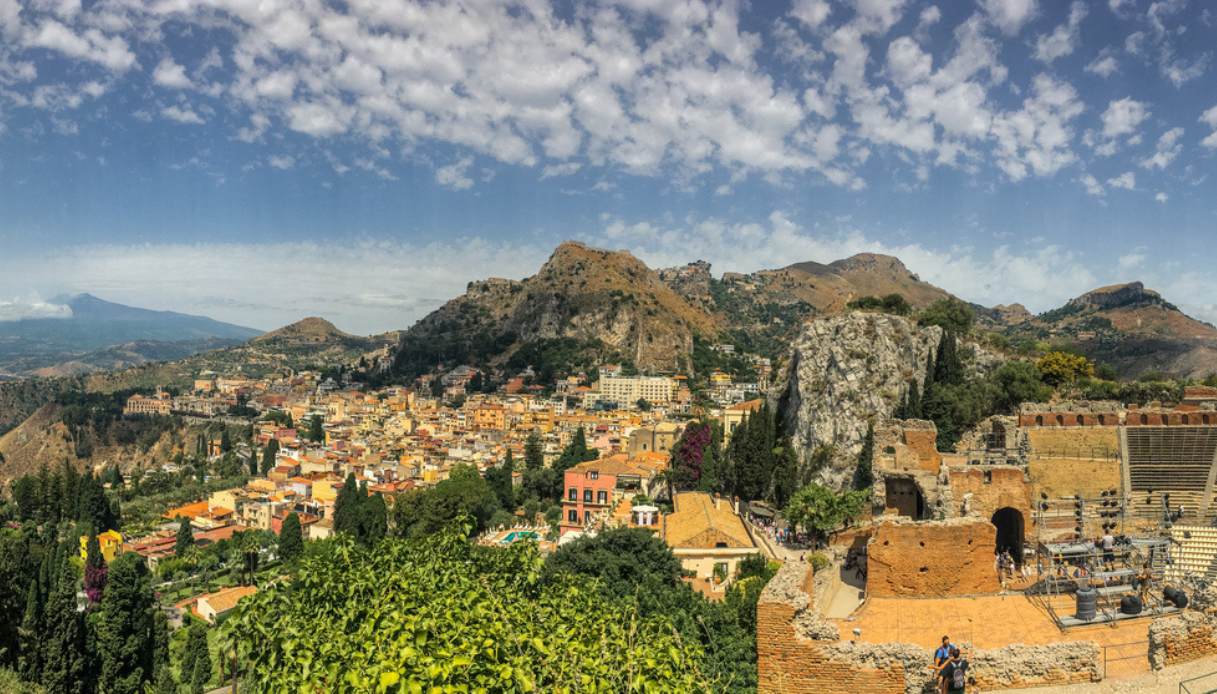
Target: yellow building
x: 110, y: 542
x: 735, y: 415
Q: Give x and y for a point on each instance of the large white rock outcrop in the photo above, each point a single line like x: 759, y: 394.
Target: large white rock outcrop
x: 844, y: 372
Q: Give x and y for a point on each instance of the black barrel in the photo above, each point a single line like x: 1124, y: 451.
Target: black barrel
x: 1087, y: 603
x: 1130, y: 604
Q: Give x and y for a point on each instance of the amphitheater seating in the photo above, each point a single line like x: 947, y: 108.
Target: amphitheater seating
x: 1193, y: 552
x: 1170, y: 458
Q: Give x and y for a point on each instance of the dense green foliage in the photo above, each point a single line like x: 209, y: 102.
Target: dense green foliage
x: 358, y: 514
x: 422, y: 512
x: 889, y: 303
x: 821, y: 510
x: 635, y: 566
x: 950, y: 314
x: 442, y: 614
x: 759, y: 462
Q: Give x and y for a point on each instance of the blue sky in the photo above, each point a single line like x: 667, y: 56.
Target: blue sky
x: 261, y: 161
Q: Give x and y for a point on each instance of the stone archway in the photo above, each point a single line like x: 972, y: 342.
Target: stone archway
x: 1010, y: 528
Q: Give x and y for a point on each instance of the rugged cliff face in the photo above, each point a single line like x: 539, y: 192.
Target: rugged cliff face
x: 844, y: 372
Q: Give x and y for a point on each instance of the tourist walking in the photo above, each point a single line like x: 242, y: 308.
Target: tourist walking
x: 942, y: 656
x: 955, y: 673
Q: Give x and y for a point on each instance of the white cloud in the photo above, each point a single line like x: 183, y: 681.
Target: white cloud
x: 1161, y: 197
x: 29, y: 307
x: 1036, y: 138
x: 1123, y: 117
x: 454, y: 175
x: 1126, y: 180
x: 1131, y: 261
x: 1064, y: 39
x: 1010, y: 15
x: 111, y: 52
x: 170, y: 74
x: 182, y: 115
x: 811, y: 12
x: 1104, y: 65
x: 282, y: 162
x: 1167, y: 149
x: 1092, y: 185
x: 1209, y: 118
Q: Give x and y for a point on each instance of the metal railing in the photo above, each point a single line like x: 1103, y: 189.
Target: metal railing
x: 1204, y: 684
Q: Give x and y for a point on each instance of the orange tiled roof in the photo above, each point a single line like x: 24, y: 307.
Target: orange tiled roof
x: 194, y: 510
x: 224, y: 600
x: 701, y: 521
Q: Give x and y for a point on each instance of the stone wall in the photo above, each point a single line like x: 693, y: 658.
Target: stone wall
x: 991, y: 487
x: 1182, y: 638
x: 798, y: 652
x: 1018, y: 666
x: 792, y: 642
x: 1065, y: 477
x: 932, y: 558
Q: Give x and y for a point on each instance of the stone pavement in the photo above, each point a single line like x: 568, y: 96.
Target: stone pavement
x: 992, y: 621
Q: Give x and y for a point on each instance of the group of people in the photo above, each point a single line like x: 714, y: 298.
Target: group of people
x: 950, y: 668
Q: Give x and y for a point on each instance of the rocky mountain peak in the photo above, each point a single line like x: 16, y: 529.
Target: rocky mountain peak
x: 1118, y: 295
x: 871, y: 263
x: 312, y: 329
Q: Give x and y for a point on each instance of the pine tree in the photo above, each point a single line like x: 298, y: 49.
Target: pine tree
x: 126, y: 633
x: 185, y: 538
x: 291, y: 540
x: 534, y: 456
x: 71, y: 491
x: 316, y: 432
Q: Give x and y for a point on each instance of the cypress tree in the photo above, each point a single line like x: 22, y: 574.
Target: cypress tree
x: 316, y: 432
x: 375, y: 519
x: 291, y: 539
x: 95, y: 570
x: 199, y: 657
x: 499, y: 479
x: 63, y: 645
x: 347, y: 507
x: 185, y: 538
x: 30, y: 634
x: 268, y: 456
x: 863, y: 474
x: 534, y: 456
x: 126, y: 634
x: 948, y: 369
x: 71, y: 491
x: 913, y: 406
x: 225, y: 441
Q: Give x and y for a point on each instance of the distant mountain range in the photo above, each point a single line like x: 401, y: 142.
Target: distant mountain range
x: 587, y: 305
x: 102, y: 335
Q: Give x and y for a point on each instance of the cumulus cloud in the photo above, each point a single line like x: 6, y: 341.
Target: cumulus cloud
x: 1209, y: 118
x: 1161, y: 197
x: 1126, y: 180
x: 170, y: 74
x: 1010, y: 15
x: 31, y: 306
x: 1092, y: 185
x: 1167, y: 149
x: 1120, y: 120
x: 1104, y: 65
x: 182, y: 114
x: 1065, y: 38
x: 455, y: 175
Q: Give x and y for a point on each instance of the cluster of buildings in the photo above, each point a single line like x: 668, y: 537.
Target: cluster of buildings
x: 397, y: 438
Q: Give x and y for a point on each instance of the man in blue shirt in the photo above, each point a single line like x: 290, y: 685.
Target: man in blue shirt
x: 941, y: 657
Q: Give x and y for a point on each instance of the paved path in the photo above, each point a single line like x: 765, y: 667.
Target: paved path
x: 1161, y: 682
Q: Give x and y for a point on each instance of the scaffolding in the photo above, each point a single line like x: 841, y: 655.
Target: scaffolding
x: 1066, y: 560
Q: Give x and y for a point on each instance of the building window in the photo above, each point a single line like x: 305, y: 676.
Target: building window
x: 587, y: 516
x: 587, y: 495
x: 572, y: 516
x: 593, y: 475
x: 572, y: 494
x: 602, y: 497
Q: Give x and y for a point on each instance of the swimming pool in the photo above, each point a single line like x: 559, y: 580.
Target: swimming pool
x: 515, y: 535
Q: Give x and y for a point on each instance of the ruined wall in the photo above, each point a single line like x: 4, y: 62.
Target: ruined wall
x: 909, y: 445
x: 932, y: 558
x: 798, y: 652
x: 1169, y: 418
x: 1182, y: 638
x: 992, y: 488
x: 792, y: 642
x: 1018, y: 666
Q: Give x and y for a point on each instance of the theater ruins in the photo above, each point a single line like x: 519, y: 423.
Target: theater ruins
x: 1107, y: 516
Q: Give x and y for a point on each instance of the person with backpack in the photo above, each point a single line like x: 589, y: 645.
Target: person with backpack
x: 942, y: 656
x: 955, y: 673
